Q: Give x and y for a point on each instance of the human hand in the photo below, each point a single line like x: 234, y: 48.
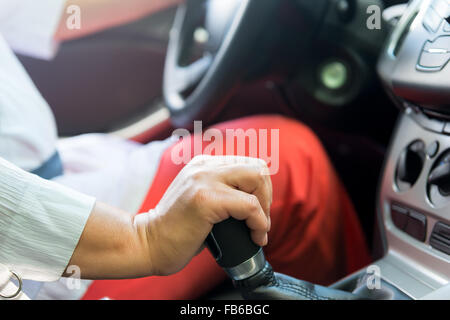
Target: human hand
x: 207, y: 191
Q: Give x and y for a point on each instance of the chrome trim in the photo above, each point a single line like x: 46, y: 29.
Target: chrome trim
x: 248, y: 268
x: 404, y: 21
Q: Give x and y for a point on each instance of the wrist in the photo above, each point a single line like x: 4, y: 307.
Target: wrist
x: 144, y: 230
x: 157, y: 242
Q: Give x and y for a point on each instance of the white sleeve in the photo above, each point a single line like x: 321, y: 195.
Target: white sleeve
x: 29, y: 25
x: 40, y: 223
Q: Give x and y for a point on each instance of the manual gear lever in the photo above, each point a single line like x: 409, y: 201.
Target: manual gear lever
x: 231, y: 244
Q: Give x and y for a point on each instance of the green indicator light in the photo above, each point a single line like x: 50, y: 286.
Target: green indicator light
x: 333, y: 75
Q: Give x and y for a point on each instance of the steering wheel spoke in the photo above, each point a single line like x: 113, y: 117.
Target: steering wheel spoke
x: 188, y: 77
x: 196, y: 90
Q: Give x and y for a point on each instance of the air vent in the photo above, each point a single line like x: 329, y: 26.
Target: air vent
x: 410, y: 164
x: 440, y: 238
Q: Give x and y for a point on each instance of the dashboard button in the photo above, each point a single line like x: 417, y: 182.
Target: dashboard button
x: 440, y: 45
x: 440, y: 237
x: 433, y: 61
x: 441, y: 7
x: 432, y: 20
x: 399, y: 216
x: 433, y: 149
x: 416, y: 225
x: 435, y: 54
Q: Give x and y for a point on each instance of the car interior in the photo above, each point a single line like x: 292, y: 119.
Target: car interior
x: 377, y: 96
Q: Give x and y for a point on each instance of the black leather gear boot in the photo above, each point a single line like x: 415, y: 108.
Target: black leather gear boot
x: 269, y: 285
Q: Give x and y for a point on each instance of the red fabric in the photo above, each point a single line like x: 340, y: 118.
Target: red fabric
x: 315, y: 232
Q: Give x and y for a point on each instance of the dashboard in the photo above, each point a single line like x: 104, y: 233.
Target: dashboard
x: 414, y: 191
x: 414, y: 197
x: 414, y: 63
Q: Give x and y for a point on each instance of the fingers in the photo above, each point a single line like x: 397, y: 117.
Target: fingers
x: 245, y: 191
x: 243, y: 206
x: 250, y: 176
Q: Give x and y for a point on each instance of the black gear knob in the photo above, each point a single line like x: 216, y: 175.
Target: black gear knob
x: 231, y: 244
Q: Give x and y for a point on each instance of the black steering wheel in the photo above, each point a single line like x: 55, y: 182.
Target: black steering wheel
x: 217, y: 45
x: 210, y: 45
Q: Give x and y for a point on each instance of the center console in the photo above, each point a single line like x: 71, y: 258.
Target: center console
x: 413, y: 205
x: 414, y: 193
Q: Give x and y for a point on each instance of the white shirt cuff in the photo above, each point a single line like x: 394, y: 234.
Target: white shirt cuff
x: 40, y: 223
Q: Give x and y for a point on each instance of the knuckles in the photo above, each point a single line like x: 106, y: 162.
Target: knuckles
x: 200, y: 175
x: 253, y: 204
x: 203, y: 172
x: 200, y: 196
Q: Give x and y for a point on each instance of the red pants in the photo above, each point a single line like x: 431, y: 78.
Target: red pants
x: 315, y: 233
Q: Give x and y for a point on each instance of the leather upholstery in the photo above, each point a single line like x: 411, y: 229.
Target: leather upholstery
x: 268, y: 285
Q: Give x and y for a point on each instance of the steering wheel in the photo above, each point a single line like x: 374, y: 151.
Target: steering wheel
x: 210, y: 45
x: 216, y: 46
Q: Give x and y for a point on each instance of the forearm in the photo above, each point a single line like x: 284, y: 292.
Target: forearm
x: 207, y: 191
x: 97, y: 15
x: 114, y: 245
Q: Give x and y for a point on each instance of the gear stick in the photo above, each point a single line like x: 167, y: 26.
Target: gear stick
x: 230, y: 243
x: 244, y: 262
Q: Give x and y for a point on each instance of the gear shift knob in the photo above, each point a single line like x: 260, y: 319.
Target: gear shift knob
x: 231, y: 244
x: 244, y: 261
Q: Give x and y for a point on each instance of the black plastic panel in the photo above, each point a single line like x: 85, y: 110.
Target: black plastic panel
x: 440, y: 238
x: 410, y: 221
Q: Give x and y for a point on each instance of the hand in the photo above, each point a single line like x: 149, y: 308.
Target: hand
x: 207, y: 191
